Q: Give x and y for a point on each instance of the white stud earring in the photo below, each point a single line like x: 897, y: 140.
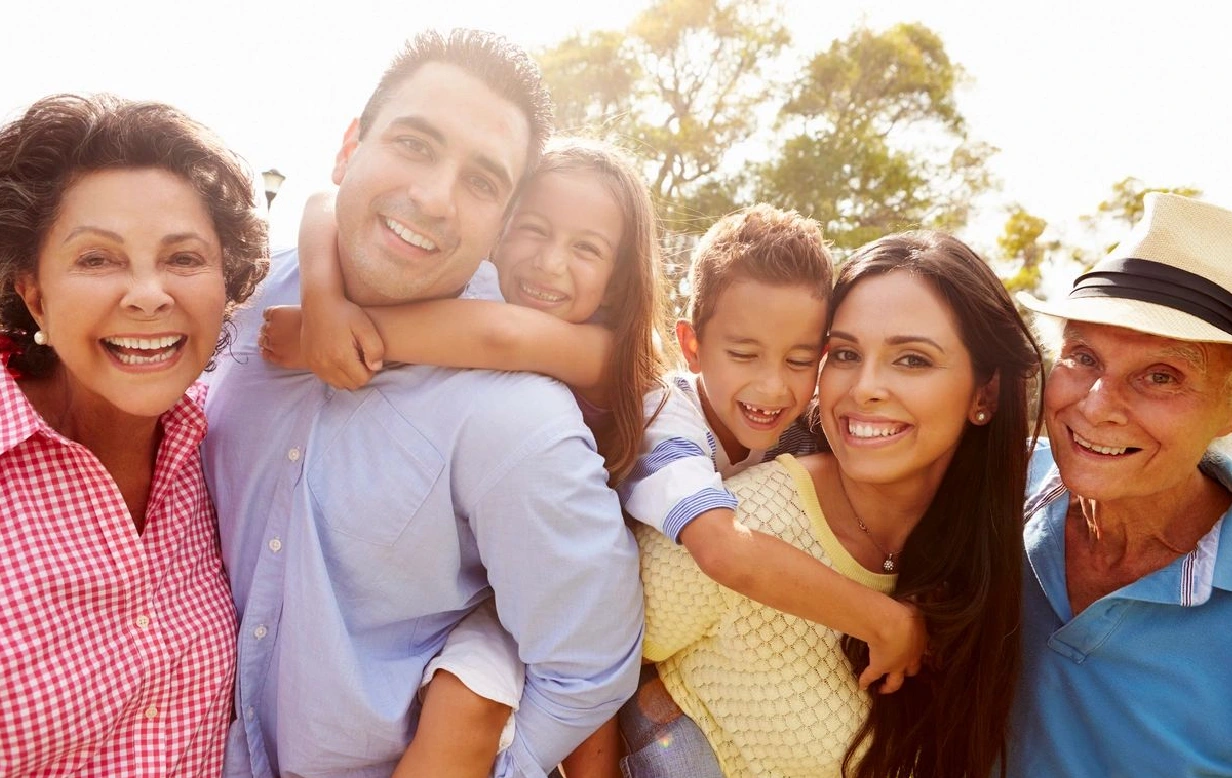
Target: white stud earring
x: 980, y: 417
x: 40, y: 337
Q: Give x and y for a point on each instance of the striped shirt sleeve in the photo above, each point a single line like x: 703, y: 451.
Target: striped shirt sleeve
x: 674, y: 480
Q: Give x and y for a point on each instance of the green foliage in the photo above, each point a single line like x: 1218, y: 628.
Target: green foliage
x: 877, y: 142
x: 681, y: 86
x: 1117, y: 214
x: 1020, y: 242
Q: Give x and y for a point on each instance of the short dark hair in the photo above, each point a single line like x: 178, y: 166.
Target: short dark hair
x: 61, y: 138
x: 760, y: 243
x: 504, y: 66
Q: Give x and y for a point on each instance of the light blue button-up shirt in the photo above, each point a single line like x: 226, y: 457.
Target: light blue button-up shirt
x: 359, y: 527
x: 1137, y: 685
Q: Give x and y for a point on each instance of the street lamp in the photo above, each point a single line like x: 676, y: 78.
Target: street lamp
x: 273, y: 180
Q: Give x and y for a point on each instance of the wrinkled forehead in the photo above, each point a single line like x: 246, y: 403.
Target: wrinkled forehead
x: 1214, y: 359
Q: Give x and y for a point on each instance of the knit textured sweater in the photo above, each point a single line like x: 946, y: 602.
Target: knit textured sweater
x: 773, y: 693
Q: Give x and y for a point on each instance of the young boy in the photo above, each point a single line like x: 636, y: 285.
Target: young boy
x: 760, y: 285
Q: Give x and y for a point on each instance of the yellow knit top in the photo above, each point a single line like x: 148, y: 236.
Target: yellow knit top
x: 773, y: 693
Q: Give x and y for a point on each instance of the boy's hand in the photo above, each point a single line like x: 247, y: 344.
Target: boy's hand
x: 898, y: 651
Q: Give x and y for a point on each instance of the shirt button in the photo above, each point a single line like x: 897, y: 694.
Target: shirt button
x: 293, y: 455
x: 143, y: 621
x: 260, y: 632
x: 275, y: 545
x: 249, y: 713
x: 151, y: 712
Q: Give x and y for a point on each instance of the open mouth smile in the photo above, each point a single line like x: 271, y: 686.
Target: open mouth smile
x: 759, y: 416
x: 410, y: 236
x: 1095, y: 448
x: 142, y: 352
x: 540, y: 293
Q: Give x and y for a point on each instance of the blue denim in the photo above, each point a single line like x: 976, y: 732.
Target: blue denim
x: 663, y: 742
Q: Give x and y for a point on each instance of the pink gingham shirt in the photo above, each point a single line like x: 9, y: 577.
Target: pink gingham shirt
x: 117, y: 650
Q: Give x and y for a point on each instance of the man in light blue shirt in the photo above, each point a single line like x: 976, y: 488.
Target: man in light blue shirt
x: 359, y: 527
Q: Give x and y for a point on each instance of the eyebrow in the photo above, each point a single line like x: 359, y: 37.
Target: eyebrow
x: 896, y: 340
x: 425, y: 127
x: 755, y: 342
x: 86, y: 229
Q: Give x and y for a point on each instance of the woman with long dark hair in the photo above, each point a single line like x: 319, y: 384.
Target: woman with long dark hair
x: 923, y: 401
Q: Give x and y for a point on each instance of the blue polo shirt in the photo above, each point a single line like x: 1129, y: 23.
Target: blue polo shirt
x: 1140, y: 683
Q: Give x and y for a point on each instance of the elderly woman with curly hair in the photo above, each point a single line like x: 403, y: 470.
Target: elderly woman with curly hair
x: 128, y: 233
x: 1127, y: 600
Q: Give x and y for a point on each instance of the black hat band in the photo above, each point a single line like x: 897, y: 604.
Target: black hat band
x: 1154, y: 282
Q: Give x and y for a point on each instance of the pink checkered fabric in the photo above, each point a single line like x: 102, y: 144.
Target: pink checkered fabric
x: 117, y: 650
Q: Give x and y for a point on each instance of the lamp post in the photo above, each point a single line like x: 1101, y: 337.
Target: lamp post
x: 273, y: 180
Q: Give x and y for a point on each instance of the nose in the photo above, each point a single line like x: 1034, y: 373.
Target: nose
x: 868, y: 387
x: 433, y: 192
x: 1103, y: 404
x: 147, y: 294
x: 550, y: 259
x: 771, y: 383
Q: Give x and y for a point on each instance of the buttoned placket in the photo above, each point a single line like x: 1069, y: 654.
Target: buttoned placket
x: 258, y: 631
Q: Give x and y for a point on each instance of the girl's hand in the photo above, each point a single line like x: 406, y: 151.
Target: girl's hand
x: 341, y: 344
x: 899, y: 652
x: 280, y: 338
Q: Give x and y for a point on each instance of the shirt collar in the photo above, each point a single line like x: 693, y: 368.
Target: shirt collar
x: 19, y: 421
x: 1200, y: 571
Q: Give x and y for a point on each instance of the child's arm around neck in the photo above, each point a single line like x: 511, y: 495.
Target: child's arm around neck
x: 448, y: 333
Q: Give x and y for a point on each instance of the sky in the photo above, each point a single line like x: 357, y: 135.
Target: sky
x: 1076, y: 94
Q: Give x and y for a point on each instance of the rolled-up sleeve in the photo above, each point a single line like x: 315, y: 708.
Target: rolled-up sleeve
x: 674, y: 479
x: 564, y: 569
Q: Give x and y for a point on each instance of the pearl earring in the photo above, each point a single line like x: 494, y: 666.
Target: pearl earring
x: 40, y: 337
x: 981, y: 417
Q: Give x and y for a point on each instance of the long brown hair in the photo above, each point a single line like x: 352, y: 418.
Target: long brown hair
x: 962, y: 563
x: 633, y: 303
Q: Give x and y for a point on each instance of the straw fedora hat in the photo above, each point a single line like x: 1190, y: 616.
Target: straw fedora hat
x: 1172, y: 275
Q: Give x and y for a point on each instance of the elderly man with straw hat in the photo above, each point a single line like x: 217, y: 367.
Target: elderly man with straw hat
x: 1127, y: 601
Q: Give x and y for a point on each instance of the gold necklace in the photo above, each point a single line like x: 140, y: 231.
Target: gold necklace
x: 890, y: 563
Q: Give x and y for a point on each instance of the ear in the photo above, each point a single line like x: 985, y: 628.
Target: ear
x: 985, y: 400
x: 27, y: 288
x: 686, y: 336
x: 350, y: 141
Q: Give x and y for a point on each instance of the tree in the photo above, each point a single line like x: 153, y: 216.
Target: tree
x: 683, y: 86
x: 1120, y: 212
x: 878, y: 143
x: 1021, y: 243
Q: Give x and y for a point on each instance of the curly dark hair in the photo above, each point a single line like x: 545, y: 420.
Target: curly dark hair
x: 61, y: 138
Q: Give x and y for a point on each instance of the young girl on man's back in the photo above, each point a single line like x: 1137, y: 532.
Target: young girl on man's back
x: 580, y: 247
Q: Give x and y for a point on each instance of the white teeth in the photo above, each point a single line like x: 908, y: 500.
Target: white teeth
x: 1098, y: 449
x: 762, y: 415
x: 540, y: 294
x: 145, y: 344
x: 864, y: 430
x: 413, y: 238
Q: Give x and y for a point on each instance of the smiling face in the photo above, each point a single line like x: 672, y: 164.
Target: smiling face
x: 1129, y: 414
x: 422, y: 196
x: 562, y: 245
x: 757, y: 356
x: 129, y: 288
x: 897, y: 388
